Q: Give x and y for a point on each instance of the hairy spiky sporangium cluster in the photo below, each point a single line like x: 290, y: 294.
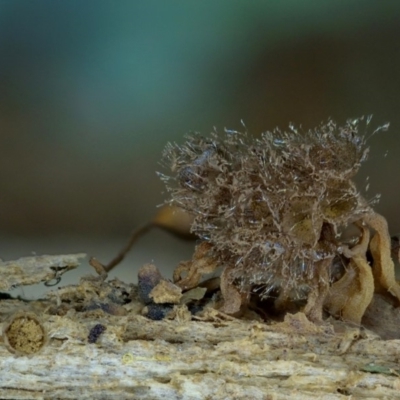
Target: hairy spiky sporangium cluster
x: 270, y: 210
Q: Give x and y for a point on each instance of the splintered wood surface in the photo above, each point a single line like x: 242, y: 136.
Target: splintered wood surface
x: 96, y: 344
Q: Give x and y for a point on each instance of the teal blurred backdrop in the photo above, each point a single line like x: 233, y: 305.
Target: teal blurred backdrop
x: 91, y: 91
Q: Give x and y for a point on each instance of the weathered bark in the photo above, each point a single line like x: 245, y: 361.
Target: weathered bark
x: 217, y: 357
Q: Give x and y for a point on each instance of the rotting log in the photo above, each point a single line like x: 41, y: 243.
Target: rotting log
x: 210, y: 356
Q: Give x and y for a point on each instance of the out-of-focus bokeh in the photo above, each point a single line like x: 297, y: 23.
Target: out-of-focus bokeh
x: 91, y: 91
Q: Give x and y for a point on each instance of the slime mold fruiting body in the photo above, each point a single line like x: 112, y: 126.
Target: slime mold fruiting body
x: 270, y: 212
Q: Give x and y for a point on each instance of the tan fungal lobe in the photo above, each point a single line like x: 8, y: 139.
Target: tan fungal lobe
x: 174, y: 220
x: 383, y: 265
x: 188, y: 273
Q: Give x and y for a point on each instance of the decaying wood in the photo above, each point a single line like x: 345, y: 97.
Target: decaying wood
x: 31, y: 270
x: 95, y: 351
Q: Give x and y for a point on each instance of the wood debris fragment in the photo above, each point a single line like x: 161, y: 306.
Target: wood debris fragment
x: 31, y: 270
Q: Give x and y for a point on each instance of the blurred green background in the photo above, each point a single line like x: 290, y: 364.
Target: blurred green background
x: 91, y: 91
